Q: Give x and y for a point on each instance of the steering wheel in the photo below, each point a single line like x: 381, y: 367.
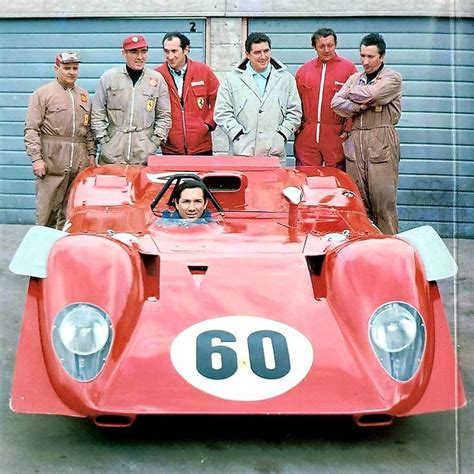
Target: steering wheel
x: 178, y: 177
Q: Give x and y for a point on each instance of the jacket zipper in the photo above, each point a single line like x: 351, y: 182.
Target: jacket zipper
x: 320, y: 101
x: 129, y: 151
x: 71, y: 95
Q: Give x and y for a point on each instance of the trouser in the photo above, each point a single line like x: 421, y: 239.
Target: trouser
x: 328, y: 151
x: 52, y: 194
x: 372, y: 159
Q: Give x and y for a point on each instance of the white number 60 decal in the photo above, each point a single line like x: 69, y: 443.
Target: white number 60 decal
x: 242, y: 358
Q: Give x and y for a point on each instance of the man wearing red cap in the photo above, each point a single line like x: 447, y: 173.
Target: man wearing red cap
x: 131, y: 114
x: 58, y: 139
x: 193, y: 90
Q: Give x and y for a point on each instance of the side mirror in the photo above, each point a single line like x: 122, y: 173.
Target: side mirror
x: 294, y: 194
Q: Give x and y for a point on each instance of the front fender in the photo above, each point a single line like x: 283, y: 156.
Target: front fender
x: 364, y: 274
x: 96, y: 270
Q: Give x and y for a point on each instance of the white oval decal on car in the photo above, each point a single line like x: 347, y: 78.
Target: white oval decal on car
x: 242, y: 358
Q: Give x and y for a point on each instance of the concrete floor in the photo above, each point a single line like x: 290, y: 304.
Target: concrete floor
x: 437, y: 443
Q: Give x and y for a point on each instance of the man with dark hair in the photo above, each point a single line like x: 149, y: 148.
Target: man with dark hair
x: 131, y: 113
x: 258, y: 105
x: 319, y: 139
x: 193, y: 90
x: 190, y: 202
x: 58, y: 139
x: 373, y: 100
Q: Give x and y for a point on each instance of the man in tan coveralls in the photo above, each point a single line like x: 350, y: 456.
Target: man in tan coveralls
x: 373, y: 100
x: 131, y: 112
x: 58, y: 139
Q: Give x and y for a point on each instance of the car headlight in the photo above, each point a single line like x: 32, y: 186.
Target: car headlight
x: 393, y: 329
x: 82, y: 336
x: 397, y: 335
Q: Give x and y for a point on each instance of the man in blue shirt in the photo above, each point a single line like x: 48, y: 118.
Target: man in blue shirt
x: 190, y: 202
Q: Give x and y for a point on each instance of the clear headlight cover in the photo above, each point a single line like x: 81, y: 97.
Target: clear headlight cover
x: 82, y: 336
x: 397, y: 336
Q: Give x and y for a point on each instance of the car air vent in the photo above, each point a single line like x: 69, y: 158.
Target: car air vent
x: 198, y: 272
x: 315, y: 266
x: 222, y: 182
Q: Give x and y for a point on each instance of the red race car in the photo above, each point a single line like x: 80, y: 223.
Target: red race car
x: 284, y: 299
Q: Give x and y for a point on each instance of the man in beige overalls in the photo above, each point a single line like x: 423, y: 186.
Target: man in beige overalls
x: 373, y: 100
x: 58, y: 139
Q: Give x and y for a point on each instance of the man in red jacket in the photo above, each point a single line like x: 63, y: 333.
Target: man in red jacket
x: 193, y: 90
x: 319, y: 139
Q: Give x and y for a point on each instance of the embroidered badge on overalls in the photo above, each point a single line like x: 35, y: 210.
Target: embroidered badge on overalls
x: 86, y: 119
x: 378, y: 108
x: 150, y: 104
x: 200, y: 102
x: 83, y: 98
x: 153, y: 82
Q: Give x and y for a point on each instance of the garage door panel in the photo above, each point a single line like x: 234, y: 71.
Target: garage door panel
x: 437, y: 104
x: 438, y: 198
x: 17, y: 216
x: 436, y: 214
x: 18, y: 201
x: 436, y: 89
x: 16, y: 172
x: 440, y: 73
x: 12, y: 186
x: 439, y: 120
x: 444, y: 167
x: 435, y: 152
x: 436, y: 183
x: 436, y: 136
x: 17, y: 157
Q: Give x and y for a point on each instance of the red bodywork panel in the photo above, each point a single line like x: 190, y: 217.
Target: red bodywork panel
x: 195, y: 309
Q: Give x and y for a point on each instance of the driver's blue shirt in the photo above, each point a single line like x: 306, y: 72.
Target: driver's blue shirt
x: 176, y: 219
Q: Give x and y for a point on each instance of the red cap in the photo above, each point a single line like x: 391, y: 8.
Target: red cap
x: 67, y: 57
x: 134, y: 42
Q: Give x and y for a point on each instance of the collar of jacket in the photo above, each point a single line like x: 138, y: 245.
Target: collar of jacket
x: 277, y: 65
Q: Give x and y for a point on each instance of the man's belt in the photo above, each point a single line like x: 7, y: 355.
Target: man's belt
x: 113, y: 130
x: 57, y: 138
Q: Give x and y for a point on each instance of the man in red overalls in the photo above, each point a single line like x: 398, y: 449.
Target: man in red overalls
x: 319, y: 139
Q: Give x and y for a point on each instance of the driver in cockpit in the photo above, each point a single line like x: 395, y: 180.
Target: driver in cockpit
x: 190, y: 202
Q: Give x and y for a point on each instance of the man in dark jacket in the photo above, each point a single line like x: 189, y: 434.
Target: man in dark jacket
x: 193, y: 90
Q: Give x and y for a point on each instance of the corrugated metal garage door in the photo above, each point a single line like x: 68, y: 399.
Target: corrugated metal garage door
x: 27, y: 51
x: 436, y: 58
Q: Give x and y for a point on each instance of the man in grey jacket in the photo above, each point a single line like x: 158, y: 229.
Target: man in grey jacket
x: 258, y: 105
x: 131, y: 112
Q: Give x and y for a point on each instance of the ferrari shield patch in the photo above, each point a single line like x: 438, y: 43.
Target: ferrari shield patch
x: 86, y: 119
x: 200, y: 102
x: 150, y: 103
